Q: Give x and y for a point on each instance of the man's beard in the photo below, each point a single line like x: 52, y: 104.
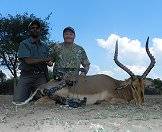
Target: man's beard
x: 35, y: 34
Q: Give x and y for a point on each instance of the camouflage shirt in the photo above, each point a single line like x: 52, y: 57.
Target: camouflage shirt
x: 72, y: 56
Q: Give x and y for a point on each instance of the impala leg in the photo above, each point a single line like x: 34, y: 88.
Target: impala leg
x: 117, y: 100
x: 44, y: 101
x: 138, y: 96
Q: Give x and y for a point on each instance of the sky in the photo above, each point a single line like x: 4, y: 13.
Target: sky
x: 98, y: 24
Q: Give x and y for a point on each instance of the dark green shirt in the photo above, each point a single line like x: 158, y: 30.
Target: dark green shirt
x: 72, y: 56
x: 68, y: 57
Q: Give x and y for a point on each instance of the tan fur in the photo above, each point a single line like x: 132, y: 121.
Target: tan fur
x: 98, y: 88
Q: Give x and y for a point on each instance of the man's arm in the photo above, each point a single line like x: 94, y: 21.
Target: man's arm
x: 85, y: 62
x: 53, y: 50
x: 50, y: 63
x: 30, y: 60
x: 24, y: 53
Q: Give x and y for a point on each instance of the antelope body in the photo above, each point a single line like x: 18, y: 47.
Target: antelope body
x: 96, y: 88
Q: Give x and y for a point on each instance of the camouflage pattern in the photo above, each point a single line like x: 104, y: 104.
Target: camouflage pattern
x: 69, y: 56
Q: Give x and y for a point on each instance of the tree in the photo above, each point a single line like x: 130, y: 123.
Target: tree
x: 13, y: 30
x: 158, y: 84
x: 2, y: 76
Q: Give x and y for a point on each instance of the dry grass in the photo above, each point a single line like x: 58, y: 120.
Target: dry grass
x: 94, y: 118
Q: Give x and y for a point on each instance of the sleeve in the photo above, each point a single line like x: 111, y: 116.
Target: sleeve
x: 47, y: 51
x: 53, y: 52
x: 84, y: 60
x: 23, y: 51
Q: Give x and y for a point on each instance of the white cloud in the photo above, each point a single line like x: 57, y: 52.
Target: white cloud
x: 137, y: 70
x: 94, y: 69
x: 132, y: 53
x: 109, y: 43
x: 128, y: 48
x: 125, y: 44
x: 157, y: 49
x: 157, y: 44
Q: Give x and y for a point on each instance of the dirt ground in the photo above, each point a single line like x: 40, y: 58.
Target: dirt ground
x: 93, y: 118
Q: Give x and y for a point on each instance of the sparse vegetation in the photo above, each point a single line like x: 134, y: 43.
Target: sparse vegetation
x: 158, y: 85
x: 153, y: 86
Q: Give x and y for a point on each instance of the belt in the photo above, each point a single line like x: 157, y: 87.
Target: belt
x: 31, y: 72
x: 38, y: 72
x: 66, y: 69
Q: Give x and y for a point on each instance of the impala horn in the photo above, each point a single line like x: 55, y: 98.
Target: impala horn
x: 120, y: 64
x: 152, y: 63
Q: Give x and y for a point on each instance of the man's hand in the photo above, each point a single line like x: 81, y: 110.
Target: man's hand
x: 83, y: 74
x: 83, y: 71
x: 47, y: 59
x: 50, y: 63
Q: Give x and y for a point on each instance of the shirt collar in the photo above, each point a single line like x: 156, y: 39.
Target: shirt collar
x: 36, y: 42
x: 69, y: 45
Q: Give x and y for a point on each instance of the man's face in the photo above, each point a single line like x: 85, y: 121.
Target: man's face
x: 69, y: 37
x: 35, y: 31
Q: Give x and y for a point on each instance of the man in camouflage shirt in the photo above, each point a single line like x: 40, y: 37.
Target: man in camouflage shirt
x: 68, y: 55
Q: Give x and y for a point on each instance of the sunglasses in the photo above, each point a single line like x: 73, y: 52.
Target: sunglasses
x: 35, y: 28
